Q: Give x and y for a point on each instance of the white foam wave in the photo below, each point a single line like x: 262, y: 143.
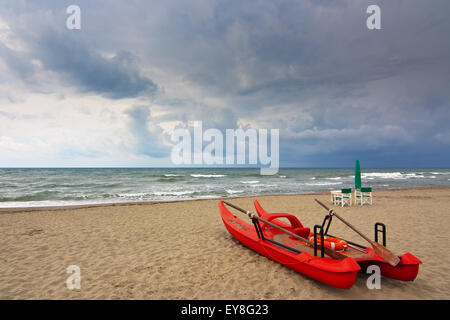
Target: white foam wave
x: 229, y: 191
x: 173, y: 175
x: 132, y: 195
x: 391, y: 175
x: 250, y: 182
x: 323, y: 183
x: 382, y: 175
x: 173, y: 193
x: 208, y: 175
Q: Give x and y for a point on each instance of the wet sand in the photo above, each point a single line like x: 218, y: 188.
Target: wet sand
x: 181, y: 250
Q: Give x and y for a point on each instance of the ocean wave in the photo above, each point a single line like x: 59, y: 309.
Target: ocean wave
x: 44, y: 195
x: 170, y: 179
x: 47, y: 203
x: 66, y: 187
x: 207, y: 196
x: 391, y: 175
x: 414, y: 175
x: 208, y: 175
x: 132, y: 195
x: 173, y: 193
x: 323, y: 183
x: 148, y: 195
x: 382, y: 175
x: 229, y: 191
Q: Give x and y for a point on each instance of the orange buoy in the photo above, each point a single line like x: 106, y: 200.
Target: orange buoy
x: 332, y: 243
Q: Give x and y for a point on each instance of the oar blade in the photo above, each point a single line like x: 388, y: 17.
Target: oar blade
x: 385, y: 254
x: 380, y: 250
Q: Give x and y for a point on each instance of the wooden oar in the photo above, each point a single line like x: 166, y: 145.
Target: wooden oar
x: 380, y: 250
x: 330, y: 252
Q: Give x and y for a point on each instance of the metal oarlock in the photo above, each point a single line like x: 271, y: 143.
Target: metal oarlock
x: 382, y: 230
x: 258, y: 228
x: 322, y: 242
x: 328, y: 218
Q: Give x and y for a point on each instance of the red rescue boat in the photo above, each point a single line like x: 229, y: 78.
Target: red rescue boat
x: 301, y: 257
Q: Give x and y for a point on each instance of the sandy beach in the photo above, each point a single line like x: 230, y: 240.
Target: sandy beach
x: 181, y: 250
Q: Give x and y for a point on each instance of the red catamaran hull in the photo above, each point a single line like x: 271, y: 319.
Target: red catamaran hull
x: 336, y: 273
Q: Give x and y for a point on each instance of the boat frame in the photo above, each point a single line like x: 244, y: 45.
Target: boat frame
x: 337, y: 273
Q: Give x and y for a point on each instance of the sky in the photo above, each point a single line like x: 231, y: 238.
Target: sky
x: 111, y: 93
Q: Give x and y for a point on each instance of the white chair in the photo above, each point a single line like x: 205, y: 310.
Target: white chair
x: 343, y: 198
x: 333, y: 193
x: 363, y: 195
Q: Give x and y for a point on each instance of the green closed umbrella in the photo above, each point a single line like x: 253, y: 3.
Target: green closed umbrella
x: 357, y: 175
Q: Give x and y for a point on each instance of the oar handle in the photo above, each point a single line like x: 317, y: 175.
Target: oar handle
x: 251, y: 215
x: 333, y: 254
x: 332, y: 212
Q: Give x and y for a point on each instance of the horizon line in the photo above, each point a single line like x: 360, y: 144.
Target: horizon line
x: 288, y: 167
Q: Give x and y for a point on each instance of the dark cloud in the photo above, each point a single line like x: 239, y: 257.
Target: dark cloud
x: 71, y: 54
x: 114, y: 77
x: 335, y: 89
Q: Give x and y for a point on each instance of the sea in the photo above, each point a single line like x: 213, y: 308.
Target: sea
x: 82, y: 186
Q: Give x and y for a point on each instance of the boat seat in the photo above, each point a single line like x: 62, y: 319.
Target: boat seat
x: 303, y: 232
x: 295, y: 224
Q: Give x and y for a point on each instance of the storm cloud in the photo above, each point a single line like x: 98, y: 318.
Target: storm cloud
x: 336, y: 90
x: 115, y: 77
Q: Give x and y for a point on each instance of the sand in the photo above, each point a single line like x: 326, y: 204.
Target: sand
x: 181, y: 250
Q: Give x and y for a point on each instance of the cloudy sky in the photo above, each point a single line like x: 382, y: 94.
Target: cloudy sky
x: 111, y: 93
